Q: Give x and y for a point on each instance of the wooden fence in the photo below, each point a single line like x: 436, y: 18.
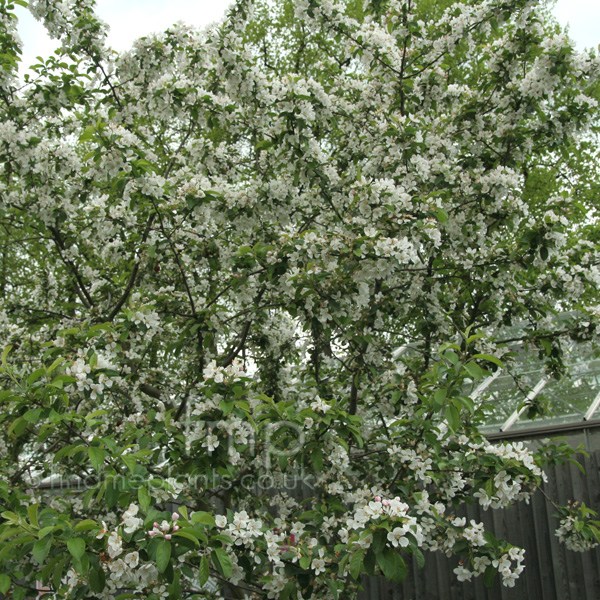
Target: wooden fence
x: 551, y: 571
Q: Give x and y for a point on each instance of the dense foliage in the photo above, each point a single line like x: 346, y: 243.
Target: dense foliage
x: 271, y: 261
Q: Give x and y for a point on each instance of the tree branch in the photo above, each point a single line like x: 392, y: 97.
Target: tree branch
x: 78, y: 284
x: 132, y: 277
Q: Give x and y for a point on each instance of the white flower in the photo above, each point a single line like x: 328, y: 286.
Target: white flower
x: 221, y: 521
x: 318, y: 565
x: 130, y: 521
x: 211, y: 442
x: 114, y: 544
x: 118, y: 568
x: 103, y: 531
x: 132, y: 559
x: 463, y: 574
x: 480, y: 563
x: 320, y: 405
x: 165, y: 526
x: 397, y: 537
x: 147, y: 573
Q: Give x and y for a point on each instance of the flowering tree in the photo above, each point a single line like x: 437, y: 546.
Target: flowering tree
x: 280, y: 252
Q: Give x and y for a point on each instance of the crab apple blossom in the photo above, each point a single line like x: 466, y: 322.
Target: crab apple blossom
x: 275, y: 259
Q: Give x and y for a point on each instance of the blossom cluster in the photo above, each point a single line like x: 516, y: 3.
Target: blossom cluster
x: 571, y: 535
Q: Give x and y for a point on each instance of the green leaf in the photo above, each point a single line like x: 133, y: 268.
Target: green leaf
x: 8, y: 532
x: 226, y: 407
x: 467, y: 403
x: 59, y: 381
x: 342, y: 565
x: 222, y: 561
x: 19, y: 593
x: 7, y: 349
x: 42, y: 533
x: 316, y: 458
x: 204, y: 518
x: 97, y: 580
x: 356, y: 563
x: 333, y: 589
x: 290, y: 586
x: 223, y: 538
x: 442, y: 215
x: 55, y: 364
x: 489, y: 358
x: 18, y: 426
x: 86, y: 525
x: 35, y: 376
x: 419, y: 557
x: 489, y: 576
x: 97, y: 456
x: 130, y: 461
x: 451, y: 357
x: 188, y: 535
x: 96, y: 413
x: 474, y: 370
x: 489, y: 488
x: 453, y: 417
x: 203, y: 571
x: 144, y: 498
x: 263, y: 145
x: 379, y: 541
x: 11, y: 516
x: 33, y: 415
x: 32, y: 511
x: 163, y: 555
x: 58, y: 572
x: 392, y: 565
x: 174, y: 589
x: 370, y: 562
x: 76, y: 547
x: 305, y: 562
x: 41, y: 549
x: 439, y: 398
x: 88, y: 133
x: 5, y: 583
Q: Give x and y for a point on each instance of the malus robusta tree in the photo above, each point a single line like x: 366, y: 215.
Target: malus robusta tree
x: 279, y: 251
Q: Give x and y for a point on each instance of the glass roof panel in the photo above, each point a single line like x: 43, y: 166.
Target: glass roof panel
x: 569, y: 399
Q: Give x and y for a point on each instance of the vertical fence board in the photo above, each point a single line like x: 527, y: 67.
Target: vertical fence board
x: 538, y: 571
x: 592, y: 480
x: 559, y: 569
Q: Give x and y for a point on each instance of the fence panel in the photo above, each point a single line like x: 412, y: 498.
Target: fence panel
x: 551, y: 571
